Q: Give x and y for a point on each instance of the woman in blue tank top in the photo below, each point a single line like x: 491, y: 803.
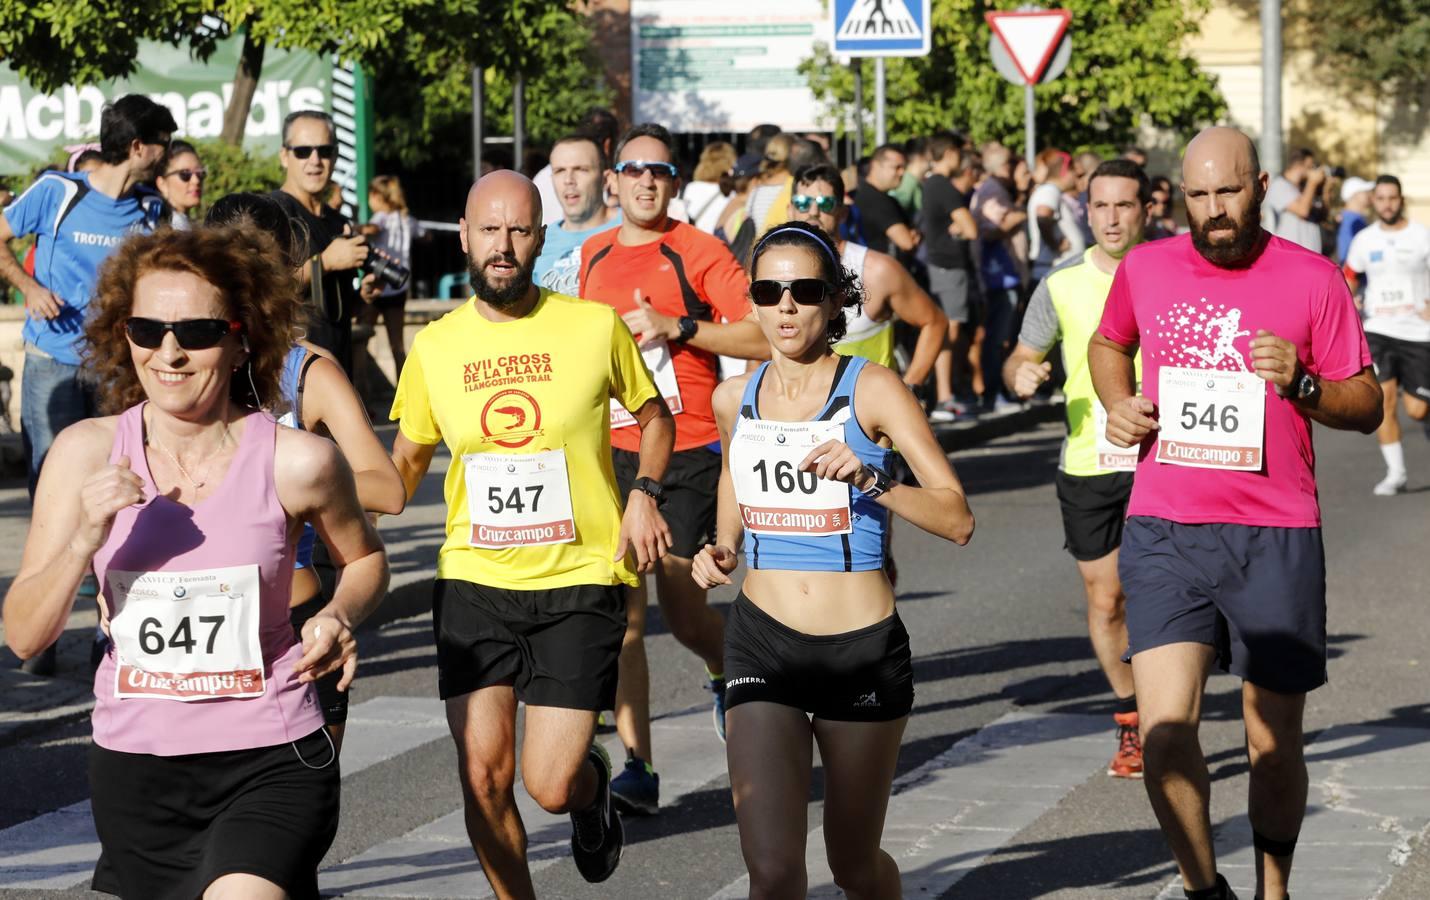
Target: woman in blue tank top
x: 814, y: 649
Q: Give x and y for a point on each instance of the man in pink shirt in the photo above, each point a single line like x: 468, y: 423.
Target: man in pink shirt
x: 1245, y: 338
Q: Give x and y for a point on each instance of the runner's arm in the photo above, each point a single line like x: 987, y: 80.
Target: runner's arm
x: 412, y: 461
x: 938, y: 504
x: 643, y: 528
x: 729, y: 527
x: 742, y: 339
x: 657, y: 427
x: 1025, y: 370
x: 330, y: 400
x: 1114, y: 377
x: 77, y: 487
x: 1353, y: 404
x: 911, y: 304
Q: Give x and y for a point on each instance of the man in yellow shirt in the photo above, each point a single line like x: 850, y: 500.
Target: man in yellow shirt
x: 528, y: 604
x: 1094, y: 478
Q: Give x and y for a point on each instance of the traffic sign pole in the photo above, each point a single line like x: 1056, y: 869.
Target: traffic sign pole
x: 881, y: 135
x: 858, y: 108
x: 1030, y: 126
x: 1028, y: 47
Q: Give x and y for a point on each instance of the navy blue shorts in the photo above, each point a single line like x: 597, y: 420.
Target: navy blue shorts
x: 1256, y: 594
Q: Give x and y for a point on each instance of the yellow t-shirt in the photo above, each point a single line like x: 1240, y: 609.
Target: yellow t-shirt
x: 540, y: 383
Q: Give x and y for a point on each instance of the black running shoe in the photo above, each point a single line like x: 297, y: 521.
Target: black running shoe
x: 597, y: 836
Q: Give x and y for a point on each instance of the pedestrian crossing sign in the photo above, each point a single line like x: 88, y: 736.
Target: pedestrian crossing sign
x: 881, y: 27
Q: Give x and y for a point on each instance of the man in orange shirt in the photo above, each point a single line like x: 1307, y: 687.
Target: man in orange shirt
x: 686, y: 299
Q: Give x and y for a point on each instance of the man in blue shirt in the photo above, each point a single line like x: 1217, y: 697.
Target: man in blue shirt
x: 578, y: 173
x: 78, y: 220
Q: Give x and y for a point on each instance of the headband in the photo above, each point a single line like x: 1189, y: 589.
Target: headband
x: 787, y: 227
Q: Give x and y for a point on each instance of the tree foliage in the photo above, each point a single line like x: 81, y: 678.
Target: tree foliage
x: 1128, y: 62
x: 1371, y: 47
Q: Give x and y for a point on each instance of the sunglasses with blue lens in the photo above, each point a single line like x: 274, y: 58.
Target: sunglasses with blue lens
x: 802, y: 203
x: 637, y: 168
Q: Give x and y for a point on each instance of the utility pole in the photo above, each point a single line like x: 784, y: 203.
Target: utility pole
x: 478, y: 137
x: 1271, y: 141
x: 518, y: 120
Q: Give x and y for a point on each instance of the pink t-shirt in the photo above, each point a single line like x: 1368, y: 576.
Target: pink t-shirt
x: 1185, y: 312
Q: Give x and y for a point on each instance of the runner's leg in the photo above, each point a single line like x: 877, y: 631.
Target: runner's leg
x: 1276, y: 800
x: 483, y: 724
x: 859, y: 760
x: 1107, y: 621
x: 242, y: 886
x: 554, y: 754
x: 770, y: 755
x: 1389, y: 430
x: 633, y: 688
x: 1415, y: 407
x: 687, y: 612
x: 1170, y: 680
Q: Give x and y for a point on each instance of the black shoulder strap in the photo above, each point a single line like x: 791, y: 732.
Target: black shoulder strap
x: 303, y: 378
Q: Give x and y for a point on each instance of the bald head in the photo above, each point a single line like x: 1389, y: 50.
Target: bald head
x: 1225, y: 150
x: 1223, y: 186
x: 513, y: 191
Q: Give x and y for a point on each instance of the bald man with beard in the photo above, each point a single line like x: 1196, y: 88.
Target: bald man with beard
x: 1246, y: 339
x: 527, y: 603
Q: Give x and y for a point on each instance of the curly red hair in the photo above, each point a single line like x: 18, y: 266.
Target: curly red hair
x: 257, y: 289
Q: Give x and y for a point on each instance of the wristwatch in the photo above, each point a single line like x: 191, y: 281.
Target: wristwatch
x: 1305, y: 388
x: 687, y: 329
x: 651, y: 488
x: 882, y: 482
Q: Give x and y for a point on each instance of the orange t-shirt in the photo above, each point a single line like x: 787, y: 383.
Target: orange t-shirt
x: 685, y: 273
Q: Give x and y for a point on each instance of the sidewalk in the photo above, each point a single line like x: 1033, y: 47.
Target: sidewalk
x: 29, y: 704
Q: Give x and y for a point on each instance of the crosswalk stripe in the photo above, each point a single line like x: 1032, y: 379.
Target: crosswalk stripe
x: 436, y: 860
x: 1369, y: 803
x: 949, y: 814
x: 58, y: 850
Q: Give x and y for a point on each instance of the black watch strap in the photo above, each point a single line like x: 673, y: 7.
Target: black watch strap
x: 882, y: 482
x: 652, y: 488
x: 688, y: 327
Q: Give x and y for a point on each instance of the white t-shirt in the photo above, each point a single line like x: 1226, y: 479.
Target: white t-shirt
x: 551, y: 212
x: 704, y: 203
x: 1065, y: 212
x: 1397, y: 269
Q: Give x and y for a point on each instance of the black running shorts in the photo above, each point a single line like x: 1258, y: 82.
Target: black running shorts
x: 1094, y: 508
x: 1407, y: 362
x: 692, y: 483
x: 858, y: 676
x: 169, y: 826
x: 556, y: 647
x: 1255, y: 593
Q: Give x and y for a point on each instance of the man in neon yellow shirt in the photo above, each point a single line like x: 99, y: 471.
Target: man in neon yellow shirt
x: 528, y: 603
x: 1094, y: 478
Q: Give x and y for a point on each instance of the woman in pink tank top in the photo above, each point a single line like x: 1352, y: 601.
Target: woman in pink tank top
x: 210, y: 768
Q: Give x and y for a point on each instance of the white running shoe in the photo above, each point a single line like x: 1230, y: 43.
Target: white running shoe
x: 1391, y: 485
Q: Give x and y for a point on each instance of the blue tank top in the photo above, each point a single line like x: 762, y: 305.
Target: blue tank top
x: 295, y: 370
x: 809, y: 533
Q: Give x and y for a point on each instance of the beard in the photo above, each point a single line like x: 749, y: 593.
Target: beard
x: 1229, y: 253
x: 503, y: 296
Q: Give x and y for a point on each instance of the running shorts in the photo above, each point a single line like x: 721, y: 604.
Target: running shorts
x: 169, y: 826
x: 556, y: 647
x: 1094, y: 508
x: 333, y: 701
x: 692, y: 486
x: 1407, y: 362
x: 858, y: 676
x: 1256, y: 594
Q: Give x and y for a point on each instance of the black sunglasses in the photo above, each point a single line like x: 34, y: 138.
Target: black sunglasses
x: 826, y: 204
x: 325, y: 151
x: 636, y: 168
x: 185, y: 175
x: 805, y: 291
x: 192, y: 334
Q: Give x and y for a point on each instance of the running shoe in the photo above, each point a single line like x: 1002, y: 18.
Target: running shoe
x: 1392, y: 484
x: 717, y: 688
x: 1220, y: 891
x: 1128, y: 761
x: 949, y: 410
x: 597, y: 836
x: 636, y: 791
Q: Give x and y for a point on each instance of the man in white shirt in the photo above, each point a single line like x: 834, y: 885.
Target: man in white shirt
x: 1394, y: 256
x: 1292, y: 201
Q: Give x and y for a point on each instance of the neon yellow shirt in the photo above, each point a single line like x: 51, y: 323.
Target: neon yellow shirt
x: 1067, y: 306
x: 540, y: 383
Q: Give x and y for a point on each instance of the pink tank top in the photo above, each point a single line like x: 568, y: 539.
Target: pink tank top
x: 203, y: 652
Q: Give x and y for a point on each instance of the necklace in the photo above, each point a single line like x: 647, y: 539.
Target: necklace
x: 153, y: 441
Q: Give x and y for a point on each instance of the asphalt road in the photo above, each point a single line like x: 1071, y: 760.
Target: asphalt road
x: 1002, y: 792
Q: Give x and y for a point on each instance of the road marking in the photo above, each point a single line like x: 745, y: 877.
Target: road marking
x: 1369, y: 803
x: 58, y: 850
x: 949, y: 814
x: 436, y: 860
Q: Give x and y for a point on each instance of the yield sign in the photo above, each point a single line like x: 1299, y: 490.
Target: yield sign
x: 1031, y: 38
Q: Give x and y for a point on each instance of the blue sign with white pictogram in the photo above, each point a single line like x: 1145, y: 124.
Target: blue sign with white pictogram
x: 881, y: 27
